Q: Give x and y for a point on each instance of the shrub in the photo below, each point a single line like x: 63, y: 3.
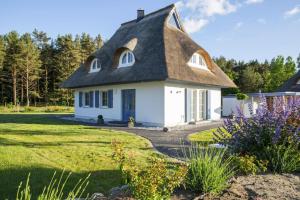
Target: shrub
x: 154, y: 181
x: 54, y: 191
x: 271, y: 127
x: 241, y: 96
x: 209, y: 170
x: 249, y: 164
x: 283, y: 158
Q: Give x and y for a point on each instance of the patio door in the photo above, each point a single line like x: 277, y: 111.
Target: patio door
x: 202, y: 105
x: 194, y: 110
x: 128, y: 104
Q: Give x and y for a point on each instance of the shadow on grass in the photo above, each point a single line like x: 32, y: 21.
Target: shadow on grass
x: 11, y: 142
x: 99, y: 181
x: 49, y: 119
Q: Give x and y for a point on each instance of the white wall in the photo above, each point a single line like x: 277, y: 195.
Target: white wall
x: 149, y: 103
x: 231, y: 105
x: 175, y: 103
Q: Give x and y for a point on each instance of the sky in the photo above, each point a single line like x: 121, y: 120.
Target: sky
x: 239, y: 29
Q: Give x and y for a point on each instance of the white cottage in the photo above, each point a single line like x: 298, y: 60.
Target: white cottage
x: 150, y: 70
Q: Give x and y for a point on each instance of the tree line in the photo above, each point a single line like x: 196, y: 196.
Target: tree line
x: 33, y: 65
x: 255, y: 76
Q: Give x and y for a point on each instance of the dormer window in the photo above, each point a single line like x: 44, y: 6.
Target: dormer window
x: 173, y: 21
x: 197, y: 61
x: 95, y: 65
x: 126, y: 59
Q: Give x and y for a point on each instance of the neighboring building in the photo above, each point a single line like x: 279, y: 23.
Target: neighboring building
x: 151, y: 70
x: 231, y: 104
x: 292, y: 84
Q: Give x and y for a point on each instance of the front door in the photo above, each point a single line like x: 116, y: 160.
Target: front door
x: 128, y: 104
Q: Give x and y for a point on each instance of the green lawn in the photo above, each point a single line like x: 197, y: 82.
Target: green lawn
x: 206, y: 136
x: 40, y: 144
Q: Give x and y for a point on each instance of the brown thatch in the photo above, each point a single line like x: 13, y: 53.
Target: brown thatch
x: 161, y: 54
x: 291, y: 84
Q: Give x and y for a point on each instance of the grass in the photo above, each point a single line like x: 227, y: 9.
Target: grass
x: 205, y: 137
x: 36, y: 109
x: 41, y: 144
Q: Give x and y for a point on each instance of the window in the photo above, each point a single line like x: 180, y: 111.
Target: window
x: 104, y: 102
x: 95, y: 65
x: 126, y: 59
x: 197, y: 61
x: 173, y: 21
x: 298, y: 82
x: 86, y: 99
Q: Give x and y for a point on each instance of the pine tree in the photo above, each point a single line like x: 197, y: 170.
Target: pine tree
x: 11, y: 61
x: 67, y: 61
x: 98, y: 41
x: 2, y: 56
x: 87, y: 45
x: 30, y: 66
x: 289, y: 68
x: 277, y: 72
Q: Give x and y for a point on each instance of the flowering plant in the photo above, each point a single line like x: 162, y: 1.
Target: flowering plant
x: 274, y: 123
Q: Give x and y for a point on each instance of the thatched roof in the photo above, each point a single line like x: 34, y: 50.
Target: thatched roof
x: 161, y: 53
x: 291, y: 84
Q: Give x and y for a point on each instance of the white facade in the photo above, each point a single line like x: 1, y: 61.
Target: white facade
x: 158, y: 103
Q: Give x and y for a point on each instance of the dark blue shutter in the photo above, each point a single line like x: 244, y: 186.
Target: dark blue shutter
x: 97, y: 99
x: 110, y: 98
x: 91, y: 99
x: 80, y: 99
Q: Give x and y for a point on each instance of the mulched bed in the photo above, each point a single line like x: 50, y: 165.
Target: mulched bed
x: 256, y: 187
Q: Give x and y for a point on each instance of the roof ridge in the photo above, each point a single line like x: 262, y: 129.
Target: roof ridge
x: 151, y: 13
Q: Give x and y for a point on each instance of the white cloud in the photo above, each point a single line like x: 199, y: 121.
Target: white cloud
x: 293, y: 11
x: 201, y: 12
x: 261, y: 21
x: 194, y: 25
x: 211, y: 7
x: 238, y: 25
x: 254, y: 1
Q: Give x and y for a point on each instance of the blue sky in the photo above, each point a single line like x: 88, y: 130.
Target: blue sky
x: 240, y: 29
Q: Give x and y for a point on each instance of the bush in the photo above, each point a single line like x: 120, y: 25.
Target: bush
x: 283, y: 158
x: 249, y: 164
x: 209, y: 170
x: 54, y: 191
x: 272, y: 126
x: 154, y: 181
x: 241, y: 96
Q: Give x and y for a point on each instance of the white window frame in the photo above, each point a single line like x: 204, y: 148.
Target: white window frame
x: 197, y: 61
x: 98, y: 65
x: 127, y: 63
x: 101, y: 100
x: 84, y: 99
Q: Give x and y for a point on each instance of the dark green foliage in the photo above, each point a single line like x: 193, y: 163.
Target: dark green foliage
x: 33, y: 65
x: 255, y: 76
x: 241, y: 96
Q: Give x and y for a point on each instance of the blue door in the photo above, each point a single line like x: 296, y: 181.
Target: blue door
x: 128, y: 104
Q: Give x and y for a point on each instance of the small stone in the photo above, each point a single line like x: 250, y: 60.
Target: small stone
x: 98, y: 196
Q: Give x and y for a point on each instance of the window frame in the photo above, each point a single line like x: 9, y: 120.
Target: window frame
x: 127, y: 63
x: 102, y: 99
x: 86, y: 94
x: 98, y: 65
x: 198, y: 61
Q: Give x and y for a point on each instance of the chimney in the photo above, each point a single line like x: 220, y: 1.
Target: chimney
x: 140, y: 14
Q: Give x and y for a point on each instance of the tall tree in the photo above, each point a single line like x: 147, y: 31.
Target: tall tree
x: 87, y: 46
x: 67, y: 60
x: 251, y: 80
x: 98, y: 41
x: 47, y: 61
x: 277, y: 72
x: 2, y: 56
x: 298, y: 62
x: 30, y: 65
x: 11, y: 61
x: 289, y: 67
